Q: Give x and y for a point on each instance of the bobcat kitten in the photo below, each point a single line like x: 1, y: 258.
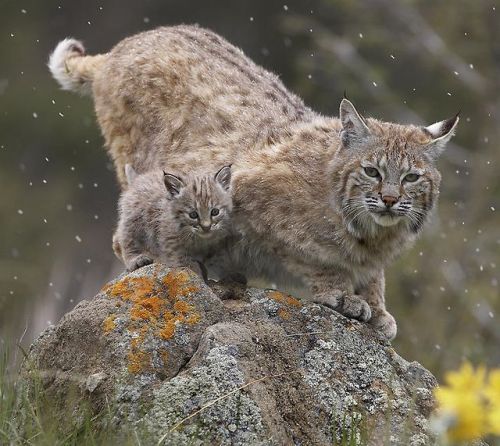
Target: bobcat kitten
x: 172, y: 219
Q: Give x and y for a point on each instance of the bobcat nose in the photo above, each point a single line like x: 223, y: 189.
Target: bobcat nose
x: 389, y: 200
x: 205, y: 226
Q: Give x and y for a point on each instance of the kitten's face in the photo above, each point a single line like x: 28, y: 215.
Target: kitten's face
x: 386, y: 174
x: 203, y: 205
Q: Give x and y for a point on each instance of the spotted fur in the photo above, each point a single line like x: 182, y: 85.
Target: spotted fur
x: 184, y: 97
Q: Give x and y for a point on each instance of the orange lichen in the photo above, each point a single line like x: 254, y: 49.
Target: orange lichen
x: 163, y: 355
x: 147, y: 309
x: 193, y: 318
x: 138, y: 361
x: 130, y: 288
x: 182, y: 313
x: 168, y: 330
x: 177, y: 284
x: 153, y: 304
x: 109, y: 323
x: 284, y: 299
x: 284, y: 314
x: 155, y: 309
x: 182, y: 307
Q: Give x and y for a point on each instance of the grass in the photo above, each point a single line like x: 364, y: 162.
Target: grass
x: 26, y: 417
x: 351, y: 431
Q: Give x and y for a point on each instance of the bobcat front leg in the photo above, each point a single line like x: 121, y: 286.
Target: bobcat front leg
x: 132, y: 253
x: 333, y: 289
x: 373, y: 292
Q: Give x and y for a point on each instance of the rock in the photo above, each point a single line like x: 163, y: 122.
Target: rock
x: 177, y: 363
x: 94, y: 380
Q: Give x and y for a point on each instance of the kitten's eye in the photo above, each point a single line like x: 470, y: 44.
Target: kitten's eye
x: 214, y: 212
x: 372, y: 172
x: 193, y: 215
x: 411, y: 177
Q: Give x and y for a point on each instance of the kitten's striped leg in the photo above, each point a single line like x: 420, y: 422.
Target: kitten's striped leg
x: 131, y: 251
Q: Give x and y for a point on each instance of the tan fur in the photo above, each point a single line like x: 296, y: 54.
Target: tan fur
x: 184, y: 97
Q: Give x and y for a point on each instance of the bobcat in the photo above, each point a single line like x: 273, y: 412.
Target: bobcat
x: 173, y: 219
x: 330, y: 201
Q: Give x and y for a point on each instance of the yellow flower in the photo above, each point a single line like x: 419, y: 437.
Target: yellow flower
x: 462, y: 401
x: 492, y: 392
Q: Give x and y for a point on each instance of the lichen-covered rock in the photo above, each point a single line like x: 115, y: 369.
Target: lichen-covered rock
x: 164, y: 356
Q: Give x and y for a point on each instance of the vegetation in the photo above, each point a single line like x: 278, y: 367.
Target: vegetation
x: 26, y: 418
x: 410, y: 61
x: 469, y: 404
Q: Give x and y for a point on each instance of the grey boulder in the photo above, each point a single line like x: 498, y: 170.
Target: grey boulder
x: 160, y: 354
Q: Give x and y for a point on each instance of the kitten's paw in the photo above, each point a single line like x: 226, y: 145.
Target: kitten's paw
x: 384, y: 323
x: 349, y: 305
x: 139, y: 262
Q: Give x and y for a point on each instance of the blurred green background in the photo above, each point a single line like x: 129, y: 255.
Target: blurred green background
x: 407, y: 61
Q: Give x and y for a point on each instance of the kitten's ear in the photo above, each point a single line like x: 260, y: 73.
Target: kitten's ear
x: 441, y: 132
x: 173, y: 184
x: 354, y: 128
x: 223, y: 177
x: 130, y: 174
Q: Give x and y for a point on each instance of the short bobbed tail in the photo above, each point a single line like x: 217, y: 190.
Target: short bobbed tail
x: 71, y: 68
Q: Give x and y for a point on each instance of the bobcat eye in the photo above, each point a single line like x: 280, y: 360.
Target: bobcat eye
x: 214, y: 212
x: 193, y: 215
x: 372, y: 172
x: 411, y: 177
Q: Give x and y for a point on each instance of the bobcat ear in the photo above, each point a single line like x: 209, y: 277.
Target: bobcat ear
x: 173, y: 184
x: 441, y: 132
x: 354, y: 128
x: 223, y: 177
x: 130, y: 174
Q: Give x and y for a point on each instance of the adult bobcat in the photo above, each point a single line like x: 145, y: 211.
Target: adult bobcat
x: 330, y: 201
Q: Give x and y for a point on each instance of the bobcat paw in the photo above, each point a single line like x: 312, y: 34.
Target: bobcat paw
x: 139, y: 262
x: 351, y: 306
x: 384, y: 323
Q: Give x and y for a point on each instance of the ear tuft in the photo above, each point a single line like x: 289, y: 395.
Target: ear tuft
x: 130, y: 174
x: 173, y: 184
x: 441, y: 132
x: 223, y: 177
x: 354, y: 128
